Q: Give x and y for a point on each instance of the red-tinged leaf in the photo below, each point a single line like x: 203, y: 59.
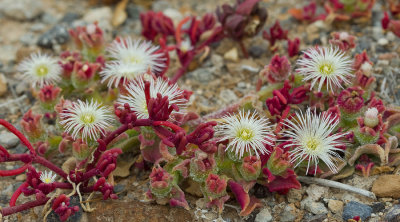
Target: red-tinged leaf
x: 246, y: 7
x: 283, y: 185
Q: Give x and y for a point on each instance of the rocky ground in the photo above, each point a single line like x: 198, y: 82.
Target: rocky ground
x: 29, y: 25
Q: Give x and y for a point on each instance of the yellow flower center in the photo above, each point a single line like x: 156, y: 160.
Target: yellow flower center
x: 245, y: 134
x: 47, y: 180
x: 42, y: 70
x: 312, y: 143
x: 87, y: 118
x: 326, y: 69
x: 134, y: 60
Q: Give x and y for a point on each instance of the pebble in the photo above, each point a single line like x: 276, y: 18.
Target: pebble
x: 315, y: 218
x: 383, y: 41
x: 316, y: 192
x: 232, y: 55
x: 294, y: 195
x: 8, y: 140
x: 393, y: 215
x: 3, y: 84
x: 288, y: 214
x: 336, y: 206
x: 48, y: 18
x: 21, y: 87
x: 202, y: 75
x: 256, y: 51
x: 134, y: 10
x: 102, y: 15
x: 57, y: 35
x: 353, y: 209
x: 21, y: 9
x: 387, y: 186
x: 175, y: 15
x: 228, y: 96
x: 313, y: 207
x: 28, y: 39
x: 69, y: 18
x: 263, y: 216
x: 37, y: 27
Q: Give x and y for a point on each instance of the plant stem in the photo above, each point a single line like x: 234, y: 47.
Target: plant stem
x: 244, y: 50
x: 334, y: 184
x: 12, y: 210
x: 42, y: 161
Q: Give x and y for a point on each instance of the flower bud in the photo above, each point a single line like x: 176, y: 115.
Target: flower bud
x: 371, y: 117
x: 215, y: 186
x: 32, y: 126
x: 80, y: 149
x: 201, y: 165
x: 250, y: 168
x: 160, y: 182
x: 278, y: 162
x: 48, y: 96
x: 278, y: 69
x: 83, y: 73
x: 350, y: 102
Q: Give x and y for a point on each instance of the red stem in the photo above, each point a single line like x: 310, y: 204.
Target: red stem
x: 17, y: 193
x: 168, y: 124
x: 15, y: 209
x: 179, y: 30
x: 6, y: 173
x: 21, y: 136
x: 42, y: 161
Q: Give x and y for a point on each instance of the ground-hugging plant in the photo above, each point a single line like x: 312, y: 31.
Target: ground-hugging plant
x: 320, y: 119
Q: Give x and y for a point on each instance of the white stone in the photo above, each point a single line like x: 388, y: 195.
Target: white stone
x: 264, y: 216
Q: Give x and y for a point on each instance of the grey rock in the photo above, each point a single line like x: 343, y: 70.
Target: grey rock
x: 21, y: 87
x: 69, y: 18
x: 8, y: 140
x: 353, y: 209
x: 48, y: 18
x: 316, y: 192
x: 21, y: 9
x: 228, y: 96
x: 55, y: 36
x: 160, y: 5
x: 28, y: 39
x: 294, y: 195
x: 393, y: 215
x: 134, y: 10
x: 102, y: 15
x: 315, y: 218
x: 377, y: 207
x: 37, y: 27
x: 288, y: 214
x: 263, y: 216
x: 203, y: 75
x: 313, y: 207
x: 119, y: 188
x: 256, y: 51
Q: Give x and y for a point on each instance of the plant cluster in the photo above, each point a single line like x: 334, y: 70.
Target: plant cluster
x: 321, y: 119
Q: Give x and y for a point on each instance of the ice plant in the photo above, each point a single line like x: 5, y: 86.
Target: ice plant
x: 136, y: 96
x: 246, y: 132
x: 47, y: 177
x: 86, y: 119
x: 325, y: 66
x: 40, y: 69
x: 312, y: 138
x: 130, y: 58
x: 275, y: 33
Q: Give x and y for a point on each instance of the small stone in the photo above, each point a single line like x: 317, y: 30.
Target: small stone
x: 21, y: 87
x: 21, y: 9
x: 316, y: 192
x: 28, y: 39
x: 387, y: 186
x: 315, y: 218
x: 3, y: 84
x: 289, y: 213
x: 20, y: 177
x: 313, y: 207
x: 393, y: 215
x: 69, y: 18
x: 102, y: 15
x: 232, y: 55
x: 336, y: 206
x: 57, y: 35
x: 256, y: 51
x: 228, y: 96
x: 48, y: 18
x: 175, y: 15
x: 119, y: 188
x: 37, y: 27
x: 378, y: 207
x: 264, y: 216
x: 294, y: 195
x: 383, y: 41
x: 134, y: 10
x: 353, y: 209
x: 202, y: 75
x: 8, y: 140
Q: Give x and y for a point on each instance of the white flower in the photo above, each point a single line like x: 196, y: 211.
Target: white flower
x: 86, y: 119
x: 47, y: 177
x: 130, y: 59
x: 246, y: 133
x: 40, y: 69
x: 186, y: 45
x: 325, y: 65
x: 136, y: 97
x: 311, y: 137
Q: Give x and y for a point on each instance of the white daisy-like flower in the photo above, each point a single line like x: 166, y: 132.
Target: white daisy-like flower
x: 86, y: 119
x: 131, y: 58
x: 311, y: 137
x: 327, y: 65
x: 246, y: 133
x: 136, y: 97
x: 47, y: 177
x: 40, y: 69
x: 186, y: 45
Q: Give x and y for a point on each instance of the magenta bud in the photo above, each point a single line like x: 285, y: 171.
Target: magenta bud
x: 250, y: 168
x: 31, y: 125
x: 48, y: 96
x: 343, y: 40
x: 350, y: 100
x: 201, y: 165
x: 80, y: 149
x: 160, y: 182
x: 278, y: 162
x: 278, y: 69
x: 215, y: 186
